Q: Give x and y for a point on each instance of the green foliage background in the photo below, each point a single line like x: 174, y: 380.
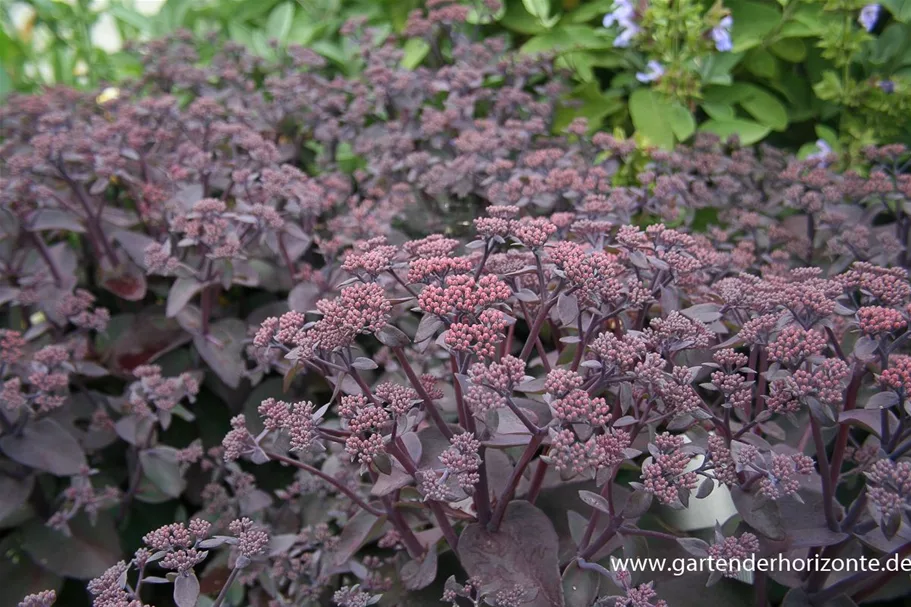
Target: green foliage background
x: 800, y: 70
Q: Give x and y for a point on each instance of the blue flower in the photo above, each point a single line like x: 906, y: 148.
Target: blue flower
x: 622, y: 14
x: 721, y: 34
x: 823, y: 151
x: 653, y: 71
x: 869, y: 15
x: 622, y: 11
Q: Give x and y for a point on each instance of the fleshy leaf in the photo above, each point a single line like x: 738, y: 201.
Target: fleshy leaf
x: 45, y: 445
x: 186, y: 590
x: 223, y: 350
x: 521, y: 553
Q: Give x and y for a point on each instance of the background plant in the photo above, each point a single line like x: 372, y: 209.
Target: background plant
x: 780, y: 78
x: 795, y: 72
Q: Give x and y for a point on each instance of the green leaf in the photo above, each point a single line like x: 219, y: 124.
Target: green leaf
x: 889, y: 44
x: 718, y: 68
x: 682, y: 122
x: 829, y: 136
x: 762, y: 63
x: 278, y: 25
x: 790, y: 49
x: 304, y: 29
x: 752, y: 21
x: 14, y: 493
x: 6, y: 83
x: 590, y: 11
x: 764, y: 107
x: 749, y: 132
x: 517, y: 19
x: 807, y: 21
x: 540, y: 9
x: 650, y: 114
x: 130, y: 17
x: 900, y: 9
x: 829, y: 87
x: 569, y: 37
x: 261, y: 45
x: 240, y: 33
x: 718, y: 110
x: 415, y: 50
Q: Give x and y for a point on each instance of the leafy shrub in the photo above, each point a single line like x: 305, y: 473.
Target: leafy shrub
x: 78, y: 43
x: 278, y: 336
x: 792, y: 69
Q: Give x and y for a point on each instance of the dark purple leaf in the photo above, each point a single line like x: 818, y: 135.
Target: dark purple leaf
x: 182, y: 291
x: 160, y: 465
x: 141, y: 339
x: 580, y: 586
x: 428, y: 326
x: 222, y: 349
x: 761, y: 514
x: 392, y: 337
x: 302, y: 297
x: 869, y: 419
x: 55, y: 219
x: 86, y: 553
x: 595, y: 501
x: 14, y: 493
x: 637, y: 504
x: 882, y: 400
x: 186, y: 590
x: 522, y: 553
x: 420, y: 573
x: 126, y: 281
x: 355, y: 534
x: 45, y: 445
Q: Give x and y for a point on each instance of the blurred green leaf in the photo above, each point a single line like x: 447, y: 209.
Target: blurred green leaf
x: 682, y: 122
x: 6, y: 83
x: 540, y: 9
x: 415, y: 50
x: 752, y: 21
x: 590, y: 11
x: 765, y: 107
x: 790, y: 49
x: 890, y: 43
x: 650, y: 114
x: 569, y: 37
x: 278, y: 26
x: 519, y: 20
x: 131, y: 17
x: 900, y: 9
x: 762, y: 63
x: 718, y: 110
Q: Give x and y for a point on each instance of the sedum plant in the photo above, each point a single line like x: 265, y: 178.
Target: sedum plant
x: 278, y: 336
